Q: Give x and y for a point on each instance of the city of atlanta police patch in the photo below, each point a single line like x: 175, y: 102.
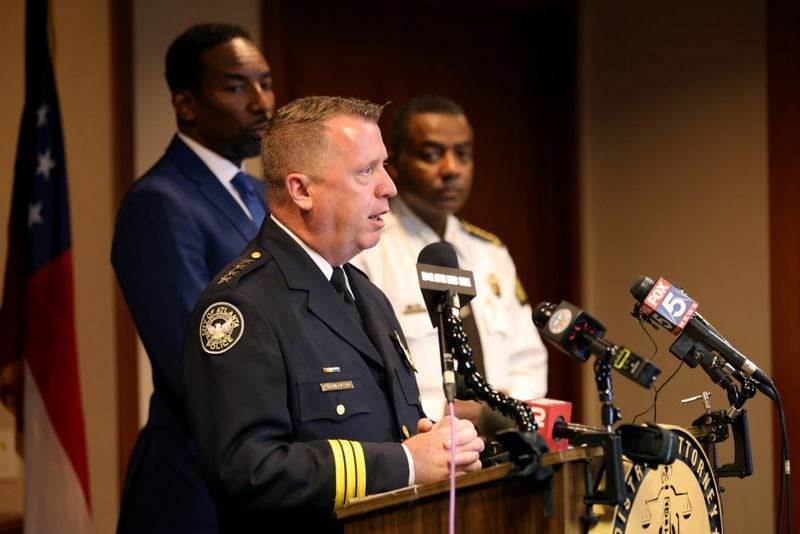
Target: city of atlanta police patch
x: 221, y: 328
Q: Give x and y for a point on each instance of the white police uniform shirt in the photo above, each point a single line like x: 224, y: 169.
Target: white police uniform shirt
x: 514, y: 357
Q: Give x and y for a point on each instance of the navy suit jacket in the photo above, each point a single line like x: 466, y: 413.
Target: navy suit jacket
x: 303, y: 371
x: 177, y: 227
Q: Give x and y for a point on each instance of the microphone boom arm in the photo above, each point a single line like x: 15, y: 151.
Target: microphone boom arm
x: 477, y: 384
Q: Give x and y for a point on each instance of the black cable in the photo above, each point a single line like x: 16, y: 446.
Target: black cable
x: 652, y: 357
x: 656, y: 391
x: 786, y: 485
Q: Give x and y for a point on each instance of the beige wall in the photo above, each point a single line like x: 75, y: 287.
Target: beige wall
x: 82, y: 66
x: 156, y: 24
x: 674, y: 166
x: 83, y: 75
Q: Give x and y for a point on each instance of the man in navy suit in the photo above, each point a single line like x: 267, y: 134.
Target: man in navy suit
x: 299, y: 391
x: 179, y: 224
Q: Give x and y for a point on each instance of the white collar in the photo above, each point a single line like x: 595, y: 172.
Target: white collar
x: 222, y: 168
x: 419, y: 228
x: 322, y: 263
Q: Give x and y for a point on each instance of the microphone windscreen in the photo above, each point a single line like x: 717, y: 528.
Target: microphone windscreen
x: 650, y: 443
x: 641, y: 287
x: 548, y: 412
x: 542, y: 313
x: 440, y: 253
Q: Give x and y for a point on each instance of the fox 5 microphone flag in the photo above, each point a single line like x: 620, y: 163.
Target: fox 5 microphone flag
x: 38, y: 357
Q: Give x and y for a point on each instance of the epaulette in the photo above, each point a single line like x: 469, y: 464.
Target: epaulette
x: 480, y: 232
x: 246, y: 263
x: 522, y: 297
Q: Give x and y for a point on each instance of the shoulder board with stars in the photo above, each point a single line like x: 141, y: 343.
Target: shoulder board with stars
x: 243, y: 265
x: 480, y: 233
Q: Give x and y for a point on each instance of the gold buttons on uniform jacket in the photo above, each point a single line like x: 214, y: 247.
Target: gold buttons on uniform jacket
x: 255, y: 255
x: 340, y: 409
x: 405, y: 432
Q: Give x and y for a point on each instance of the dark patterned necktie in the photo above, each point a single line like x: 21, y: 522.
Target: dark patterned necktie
x: 471, y: 329
x: 340, y: 285
x: 248, y: 195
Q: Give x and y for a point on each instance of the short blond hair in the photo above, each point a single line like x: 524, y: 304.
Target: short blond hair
x: 296, y: 139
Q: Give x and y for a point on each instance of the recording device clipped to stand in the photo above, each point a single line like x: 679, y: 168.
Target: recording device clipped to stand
x: 445, y: 288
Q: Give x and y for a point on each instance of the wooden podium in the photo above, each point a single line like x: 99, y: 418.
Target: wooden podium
x: 486, y: 501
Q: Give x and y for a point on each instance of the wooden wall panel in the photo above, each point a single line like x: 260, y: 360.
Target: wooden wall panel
x: 122, y: 111
x: 784, y: 197
x: 512, y: 66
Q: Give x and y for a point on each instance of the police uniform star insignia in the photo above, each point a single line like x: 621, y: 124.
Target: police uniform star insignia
x: 521, y: 295
x: 221, y: 328
x: 227, y: 277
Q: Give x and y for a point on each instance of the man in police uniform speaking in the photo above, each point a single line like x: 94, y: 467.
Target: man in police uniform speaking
x: 299, y: 395
x: 430, y: 159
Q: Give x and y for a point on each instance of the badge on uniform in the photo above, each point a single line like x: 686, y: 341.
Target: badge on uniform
x: 494, y: 283
x: 414, y: 308
x: 221, y: 328
x: 398, y: 342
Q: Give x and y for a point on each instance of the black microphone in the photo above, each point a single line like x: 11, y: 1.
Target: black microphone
x: 649, y: 444
x: 716, y: 367
x: 580, y: 335
x: 445, y: 288
x: 439, y: 277
x: 670, y: 307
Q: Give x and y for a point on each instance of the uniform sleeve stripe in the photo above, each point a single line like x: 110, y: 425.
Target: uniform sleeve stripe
x: 361, y: 469
x: 352, y: 471
x: 339, y: 470
x: 350, y: 468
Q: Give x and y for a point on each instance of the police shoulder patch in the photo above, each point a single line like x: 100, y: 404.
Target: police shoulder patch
x: 221, y: 328
x: 480, y: 232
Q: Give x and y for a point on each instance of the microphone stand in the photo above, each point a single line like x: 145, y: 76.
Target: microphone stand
x: 614, y: 491
x: 609, y: 414
x: 523, y: 446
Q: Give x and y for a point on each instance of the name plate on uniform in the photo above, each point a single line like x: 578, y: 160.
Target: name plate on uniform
x: 336, y: 386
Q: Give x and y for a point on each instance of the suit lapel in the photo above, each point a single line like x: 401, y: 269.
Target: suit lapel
x: 302, y: 274
x: 211, y: 189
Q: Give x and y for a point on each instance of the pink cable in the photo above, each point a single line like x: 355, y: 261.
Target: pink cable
x: 452, y: 522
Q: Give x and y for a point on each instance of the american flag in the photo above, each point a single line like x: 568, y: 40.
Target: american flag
x: 38, y: 357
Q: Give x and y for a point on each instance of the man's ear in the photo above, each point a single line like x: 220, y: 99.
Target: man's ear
x: 391, y: 165
x: 297, y: 185
x: 185, y: 104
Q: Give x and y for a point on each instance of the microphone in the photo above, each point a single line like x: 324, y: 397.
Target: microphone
x: 551, y: 416
x: 579, y: 335
x: 445, y: 288
x: 649, y: 444
x: 439, y: 277
x: 718, y: 369
x: 552, y: 419
x: 667, y: 305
